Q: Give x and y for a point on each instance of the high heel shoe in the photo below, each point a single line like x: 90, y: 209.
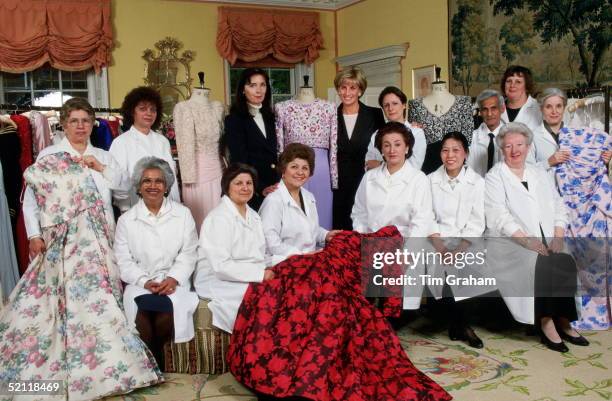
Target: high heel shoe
x: 580, y: 340
x: 465, y: 333
x: 559, y: 347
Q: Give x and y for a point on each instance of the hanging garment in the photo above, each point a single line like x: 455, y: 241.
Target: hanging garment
x: 311, y: 333
x: 101, y: 135
x: 198, y: 125
x: 314, y: 124
x: 457, y: 119
x: 585, y: 187
x: 41, y: 132
x: 24, y: 131
x: 65, y: 316
x: 10, y: 152
x: 9, y: 271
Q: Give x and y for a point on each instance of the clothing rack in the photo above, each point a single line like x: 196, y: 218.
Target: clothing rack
x: 21, y: 108
x: 584, y: 92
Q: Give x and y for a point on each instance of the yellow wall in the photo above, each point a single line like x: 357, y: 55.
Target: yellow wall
x: 377, y: 23
x: 138, y: 24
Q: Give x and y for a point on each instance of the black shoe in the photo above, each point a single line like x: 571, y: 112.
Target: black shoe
x: 465, y: 334
x: 574, y: 340
x: 559, y: 347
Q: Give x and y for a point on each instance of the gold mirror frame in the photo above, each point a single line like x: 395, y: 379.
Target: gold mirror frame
x: 169, y: 73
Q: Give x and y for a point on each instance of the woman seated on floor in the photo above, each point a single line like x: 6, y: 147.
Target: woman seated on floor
x: 535, y: 276
x: 289, y: 214
x: 156, y: 248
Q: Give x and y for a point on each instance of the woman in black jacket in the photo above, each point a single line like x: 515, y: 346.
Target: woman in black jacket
x: 356, y: 124
x: 250, y: 135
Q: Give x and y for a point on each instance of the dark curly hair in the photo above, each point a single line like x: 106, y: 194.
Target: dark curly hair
x: 233, y: 171
x: 296, y: 151
x: 394, y: 127
x: 240, y: 103
x: 138, y: 95
x: 521, y: 72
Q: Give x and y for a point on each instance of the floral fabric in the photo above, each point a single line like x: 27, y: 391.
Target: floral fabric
x: 311, y: 333
x: 585, y: 187
x: 64, y: 320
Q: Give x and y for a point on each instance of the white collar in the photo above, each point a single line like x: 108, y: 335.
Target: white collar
x: 143, y: 212
x: 404, y: 174
x: 459, y: 178
x: 66, y: 146
x: 231, y: 206
x: 139, y: 134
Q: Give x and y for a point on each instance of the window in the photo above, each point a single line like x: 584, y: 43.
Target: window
x: 281, y: 81
x: 47, y: 86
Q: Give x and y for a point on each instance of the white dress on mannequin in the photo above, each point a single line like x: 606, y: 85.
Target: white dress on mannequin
x: 198, y: 123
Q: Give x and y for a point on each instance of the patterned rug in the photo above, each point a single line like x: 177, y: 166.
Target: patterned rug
x: 511, y: 367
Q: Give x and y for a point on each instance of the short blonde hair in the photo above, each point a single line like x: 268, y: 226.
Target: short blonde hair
x: 351, y: 74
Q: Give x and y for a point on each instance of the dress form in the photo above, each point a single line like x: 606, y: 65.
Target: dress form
x: 305, y: 95
x: 440, y: 100
x: 200, y: 95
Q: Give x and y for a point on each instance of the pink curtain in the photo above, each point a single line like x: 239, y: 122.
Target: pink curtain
x: 70, y: 35
x: 251, y: 34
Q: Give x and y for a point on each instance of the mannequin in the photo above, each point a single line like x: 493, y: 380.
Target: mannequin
x: 198, y: 123
x: 440, y: 112
x: 306, y: 92
x: 313, y: 122
x: 440, y: 100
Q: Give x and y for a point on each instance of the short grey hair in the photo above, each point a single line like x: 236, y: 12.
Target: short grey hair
x: 514, y: 128
x: 489, y: 93
x: 150, y: 163
x: 550, y: 92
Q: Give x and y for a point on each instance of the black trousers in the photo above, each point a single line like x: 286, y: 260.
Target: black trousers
x: 555, y: 286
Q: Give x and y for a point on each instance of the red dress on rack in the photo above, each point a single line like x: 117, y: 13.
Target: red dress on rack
x: 311, y: 333
x: 24, y: 131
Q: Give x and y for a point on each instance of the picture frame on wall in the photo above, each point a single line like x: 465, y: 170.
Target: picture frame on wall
x: 422, y: 77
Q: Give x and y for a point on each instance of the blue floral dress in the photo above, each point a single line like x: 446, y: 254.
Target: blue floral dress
x: 585, y: 186
x: 65, y: 319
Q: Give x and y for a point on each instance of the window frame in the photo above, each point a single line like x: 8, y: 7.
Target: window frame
x: 97, y: 87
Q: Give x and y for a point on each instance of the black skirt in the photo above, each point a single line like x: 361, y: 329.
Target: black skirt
x: 154, y: 303
x: 555, y: 286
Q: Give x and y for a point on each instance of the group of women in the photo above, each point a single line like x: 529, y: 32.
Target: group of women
x: 265, y: 216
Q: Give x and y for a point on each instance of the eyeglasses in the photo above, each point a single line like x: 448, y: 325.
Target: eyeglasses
x: 75, y: 122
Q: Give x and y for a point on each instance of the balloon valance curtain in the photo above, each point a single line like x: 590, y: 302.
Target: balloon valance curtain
x: 251, y: 34
x: 70, y: 35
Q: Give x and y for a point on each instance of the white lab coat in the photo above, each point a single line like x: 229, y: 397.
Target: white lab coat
x: 530, y: 114
x: 402, y: 199
x: 418, y: 152
x: 128, y: 148
x: 459, y: 213
x: 232, y: 255
x: 510, y: 207
x: 287, y: 229
x: 478, y: 155
x: 543, y: 147
x: 111, y: 179
x: 151, y: 247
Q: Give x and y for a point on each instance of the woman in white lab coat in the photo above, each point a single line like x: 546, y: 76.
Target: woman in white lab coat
x: 545, y: 151
x: 458, y: 203
x: 289, y: 214
x: 77, y: 118
x: 156, y: 249
x: 395, y: 193
x: 526, y: 219
x: 517, y: 85
x: 232, y: 248
x: 142, y: 114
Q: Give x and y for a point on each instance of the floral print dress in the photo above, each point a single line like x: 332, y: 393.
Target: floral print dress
x: 311, y: 333
x: 64, y: 320
x: 585, y: 187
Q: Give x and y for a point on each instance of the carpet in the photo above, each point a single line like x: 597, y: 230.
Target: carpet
x: 511, y: 367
